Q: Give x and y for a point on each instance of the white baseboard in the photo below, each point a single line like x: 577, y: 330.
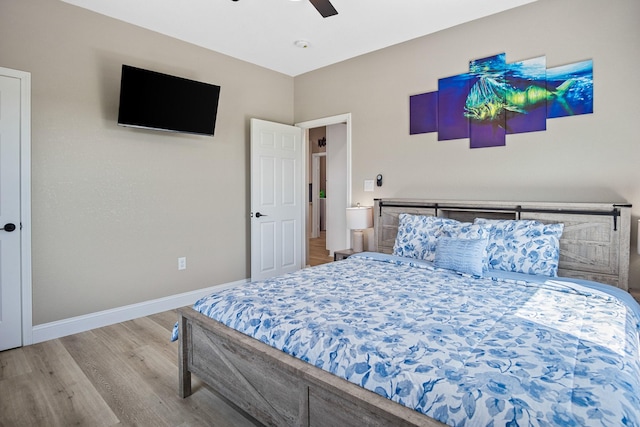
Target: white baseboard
x: 74, y: 325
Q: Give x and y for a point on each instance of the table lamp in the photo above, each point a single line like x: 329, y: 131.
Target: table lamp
x: 359, y: 218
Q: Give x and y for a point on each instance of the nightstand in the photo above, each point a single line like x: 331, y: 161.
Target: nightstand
x: 342, y: 254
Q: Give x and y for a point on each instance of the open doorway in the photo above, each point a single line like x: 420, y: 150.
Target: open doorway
x: 335, y: 185
x: 317, y: 148
x: 318, y: 251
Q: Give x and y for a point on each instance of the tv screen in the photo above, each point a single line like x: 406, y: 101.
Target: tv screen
x: 153, y: 100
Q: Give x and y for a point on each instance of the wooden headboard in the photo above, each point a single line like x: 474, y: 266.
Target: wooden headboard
x: 594, y: 244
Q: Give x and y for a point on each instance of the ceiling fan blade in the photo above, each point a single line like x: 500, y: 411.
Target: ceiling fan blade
x: 325, y: 7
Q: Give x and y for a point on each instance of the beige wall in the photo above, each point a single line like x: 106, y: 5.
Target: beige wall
x: 583, y: 158
x: 113, y: 208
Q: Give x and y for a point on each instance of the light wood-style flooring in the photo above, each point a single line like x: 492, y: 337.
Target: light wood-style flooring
x: 124, y: 374
x: 318, y: 254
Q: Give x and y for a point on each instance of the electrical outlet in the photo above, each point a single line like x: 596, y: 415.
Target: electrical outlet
x: 182, y: 263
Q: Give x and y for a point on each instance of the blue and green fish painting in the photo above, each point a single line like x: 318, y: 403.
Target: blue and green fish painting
x: 495, y: 99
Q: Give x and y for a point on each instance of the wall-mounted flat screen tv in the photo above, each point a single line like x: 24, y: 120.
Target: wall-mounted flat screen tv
x: 153, y: 100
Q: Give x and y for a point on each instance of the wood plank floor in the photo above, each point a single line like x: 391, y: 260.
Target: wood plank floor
x: 124, y: 374
x: 318, y: 254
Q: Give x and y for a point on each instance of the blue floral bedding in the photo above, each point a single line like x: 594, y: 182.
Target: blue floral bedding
x: 510, y: 350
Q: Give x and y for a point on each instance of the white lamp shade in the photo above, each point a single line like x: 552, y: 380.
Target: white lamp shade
x: 359, y: 218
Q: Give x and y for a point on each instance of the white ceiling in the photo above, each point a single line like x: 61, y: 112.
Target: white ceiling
x: 264, y: 32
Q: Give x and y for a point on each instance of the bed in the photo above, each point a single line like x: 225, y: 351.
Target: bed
x: 413, y: 336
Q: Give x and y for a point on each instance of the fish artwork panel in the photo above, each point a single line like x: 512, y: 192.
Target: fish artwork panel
x: 496, y: 98
x: 484, y: 105
x: 451, y: 93
x: 575, y: 84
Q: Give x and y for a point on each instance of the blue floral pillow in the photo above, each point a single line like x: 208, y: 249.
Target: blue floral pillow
x: 467, y: 230
x: 417, y: 235
x: 465, y: 256
x: 523, y: 246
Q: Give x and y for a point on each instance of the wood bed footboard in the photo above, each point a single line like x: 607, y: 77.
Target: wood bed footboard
x: 275, y: 388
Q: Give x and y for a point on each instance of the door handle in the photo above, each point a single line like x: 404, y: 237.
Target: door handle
x: 258, y: 215
x: 9, y: 227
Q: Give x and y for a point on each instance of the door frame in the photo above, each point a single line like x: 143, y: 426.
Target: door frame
x: 25, y: 200
x: 326, y: 121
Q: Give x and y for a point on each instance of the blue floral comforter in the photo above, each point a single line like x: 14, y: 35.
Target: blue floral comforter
x: 475, y: 352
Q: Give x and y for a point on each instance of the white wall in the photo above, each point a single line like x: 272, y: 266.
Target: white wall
x: 582, y: 158
x: 336, y: 188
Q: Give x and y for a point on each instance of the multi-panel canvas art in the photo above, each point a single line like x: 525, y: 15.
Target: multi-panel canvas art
x: 495, y: 99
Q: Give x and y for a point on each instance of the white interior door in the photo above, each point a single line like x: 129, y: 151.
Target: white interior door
x: 10, y: 248
x: 277, y: 199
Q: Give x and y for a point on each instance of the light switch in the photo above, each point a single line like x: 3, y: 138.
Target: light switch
x: 368, y: 185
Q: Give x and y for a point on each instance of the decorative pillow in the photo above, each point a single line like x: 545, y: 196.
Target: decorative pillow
x: 467, y: 230
x: 461, y: 255
x: 417, y: 235
x: 523, y: 246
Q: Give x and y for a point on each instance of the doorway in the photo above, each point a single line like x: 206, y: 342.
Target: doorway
x: 318, y: 181
x: 318, y: 252
x: 338, y: 182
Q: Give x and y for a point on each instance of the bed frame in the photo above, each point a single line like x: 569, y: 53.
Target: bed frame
x: 594, y: 244
x: 276, y: 389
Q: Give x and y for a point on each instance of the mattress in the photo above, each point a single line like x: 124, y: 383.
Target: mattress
x: 508, y: 349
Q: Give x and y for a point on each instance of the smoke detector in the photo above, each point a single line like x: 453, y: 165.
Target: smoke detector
x: 303, y: 44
